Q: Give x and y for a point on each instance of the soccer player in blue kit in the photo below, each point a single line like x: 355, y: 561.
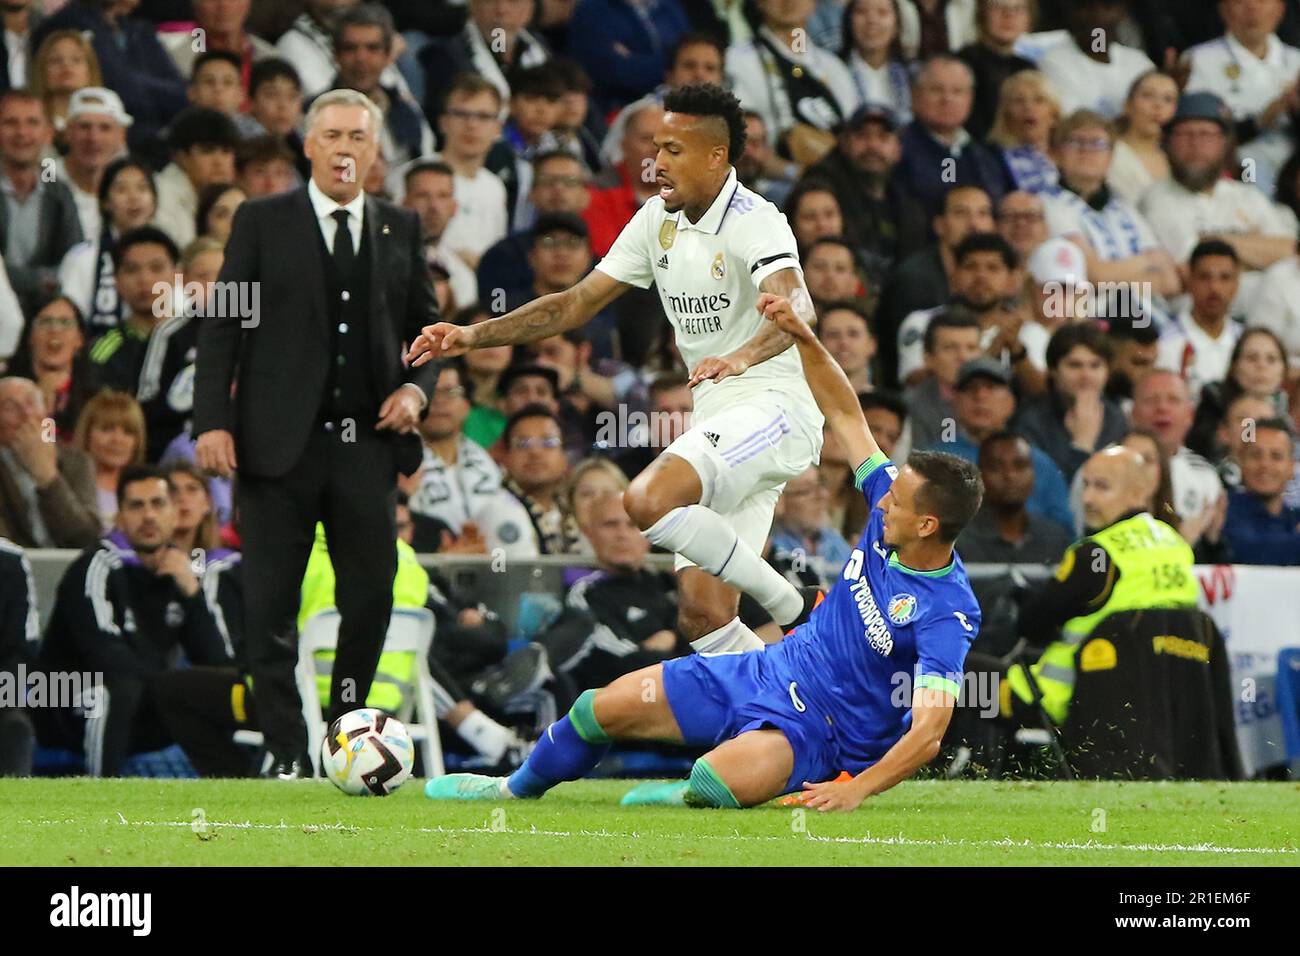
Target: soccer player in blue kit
x: 866, y: 686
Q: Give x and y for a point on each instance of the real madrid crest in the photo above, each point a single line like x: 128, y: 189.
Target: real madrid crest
x: 719, y: 268
x: 1233, y: 71
x: 668, y: 233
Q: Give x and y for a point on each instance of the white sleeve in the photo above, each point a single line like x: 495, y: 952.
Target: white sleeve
x: 1271, y: 218
x: 631, y: 259
x: 510, y: 528
x: 1274, y: 306
x: 1063, y: 218
x: 1164, y: 217
x: 11, y: 315
x: 1146, y: 235
x: 76, y: 273
x: 911, y: 343
x: 765, y: 243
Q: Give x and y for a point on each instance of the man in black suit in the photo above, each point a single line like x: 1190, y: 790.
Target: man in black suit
x: 323, y: 412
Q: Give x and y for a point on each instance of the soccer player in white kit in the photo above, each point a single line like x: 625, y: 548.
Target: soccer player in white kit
x: 711, y: 246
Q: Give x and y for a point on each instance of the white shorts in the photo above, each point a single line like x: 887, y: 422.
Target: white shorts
x: 744, y: 456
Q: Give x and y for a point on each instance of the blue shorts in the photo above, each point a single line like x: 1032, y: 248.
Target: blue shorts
x: 716, y: 698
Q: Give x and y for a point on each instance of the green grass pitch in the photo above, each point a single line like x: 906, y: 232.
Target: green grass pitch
x: 87, y: 822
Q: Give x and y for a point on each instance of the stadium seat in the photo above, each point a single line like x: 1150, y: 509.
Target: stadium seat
x: 410, y: 630
x: 1288, y: 704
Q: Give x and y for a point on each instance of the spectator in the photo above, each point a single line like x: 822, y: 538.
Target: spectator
x: 983, y: 404
x: 986, y: 264
x: 493, y: 44
x: 1003, y: 531
x: 1135, y: 345
x: 803, y: 532
x: 590, y: 388
x: 1139, y: 161
x: 578, y: 128
x: 1275, y: 306
x: 1058, y: 293
x: 125, y: 609
x: 215, y: 84
x: 535, y: 470
x: 612, y: 207
x: 95, y: 133
x: 1257, y: 367
x: 144, y: 260
x: 931, y: 27
x: 275, y: 97
x: 265, y: 166
x: 1235, y: 430
x: 1089, y: 74
x: 309, y: 45
x: 38, y: 219
x: 19, y: 17
x: 831, y: 270
x: 592, y: 480
x: 938, y: 152
x: 484, y: 368
x: 47, y: 490
x: 1023, y: 126
x: 19, y: 635
x: 559, y: 185
x: 874, y: 54
x: 128, y: 200
x: 1198, y: 345
x: 470, y: 126
x: 1261, y: 528
x: 1198, y: 202
x: 54, y: 358
x: 203, y: 143
x: 1155, y: 465
x: 363, y: 41
x: 132, y: 61
x: 882, y: 219
x: 216, y: 210
x: 64, y: 63
x: 671, y: 406
x: 11, y: 317
x: 458, y: 482
x: 1119, y: 243
x: 1254, y: 73
x: 1022, y: 221
x: 626, y: 614
x: 992, y: 58
x: 760, y: 168
x: 430, y: 190
x: 111, y: 431
x: 201, y: 263
x: 951, y: 339
x: 922, y: 280
x: 814, y: 213
x: 626, y: 45
x: 223, y: 24
x: 1075, y: 418
x: 846, y: 332
x: 802, y: 91
x: 1163, y: 404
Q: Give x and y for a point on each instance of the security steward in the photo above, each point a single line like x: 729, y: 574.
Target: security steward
x: 1129, y: 561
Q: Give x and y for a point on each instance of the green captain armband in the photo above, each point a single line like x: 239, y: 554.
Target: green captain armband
x: 867, y: 468
x: 938, y: 682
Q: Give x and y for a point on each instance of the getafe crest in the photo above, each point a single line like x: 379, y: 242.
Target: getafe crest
x: 901, y: 608
x: 668, y: 233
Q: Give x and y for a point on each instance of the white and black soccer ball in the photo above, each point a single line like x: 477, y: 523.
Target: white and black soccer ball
x: 366, y: 752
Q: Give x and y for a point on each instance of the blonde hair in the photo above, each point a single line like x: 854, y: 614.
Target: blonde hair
x: 1081, y: 119
x: 1037, y: 82
x: 580, y: 471
x: 199, y: 246
x: 345, y: 98
x: 36, y: 74
x: 109, y: 408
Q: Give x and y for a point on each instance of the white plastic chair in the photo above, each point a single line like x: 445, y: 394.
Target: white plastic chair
x: 410, y: 630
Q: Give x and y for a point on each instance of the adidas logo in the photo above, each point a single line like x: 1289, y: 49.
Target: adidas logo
x: 663, y: 261
x: 712, y: 437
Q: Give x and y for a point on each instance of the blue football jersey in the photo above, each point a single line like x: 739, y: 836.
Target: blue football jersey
x: 883, y: 630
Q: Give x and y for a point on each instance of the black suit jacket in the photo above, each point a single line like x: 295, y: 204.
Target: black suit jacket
x: 278, y: 361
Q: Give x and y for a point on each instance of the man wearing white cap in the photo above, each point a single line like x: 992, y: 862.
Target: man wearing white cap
x: 1058, y: 271
x: 96, y: 135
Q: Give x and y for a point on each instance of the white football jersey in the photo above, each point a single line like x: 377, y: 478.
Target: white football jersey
x: 708, y: 273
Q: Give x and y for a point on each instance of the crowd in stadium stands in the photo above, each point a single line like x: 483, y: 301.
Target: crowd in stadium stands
x: 1031, y: 228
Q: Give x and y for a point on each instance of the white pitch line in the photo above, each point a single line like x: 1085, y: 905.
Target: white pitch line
x: 868, y: 840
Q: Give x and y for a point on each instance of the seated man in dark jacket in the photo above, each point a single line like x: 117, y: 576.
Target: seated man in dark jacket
x: 126, y: 610
x: 18, y: 634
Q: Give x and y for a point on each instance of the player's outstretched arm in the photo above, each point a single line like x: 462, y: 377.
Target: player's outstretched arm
x: 931, y: 712
x: 830, y: 386
x: 769, y: 341
x: 543, y: 317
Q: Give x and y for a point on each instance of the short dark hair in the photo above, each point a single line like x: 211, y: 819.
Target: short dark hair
x: 143, y: 236
x: 1212, y: 247
x: 709, y: 99
x: 978, y: 242
x: 546, y: 156
x: 272, y: 68
x: 1140, y: 329
x: 960, y: 187
x: 209, y: 196
x: 263, y: 149
x: 826, y: 308
x: 839, y: 241
x: 540, y: 80
x: 1067, y: 337
x: 667, y: 381
x: 455, y: 364
x: 947, y: 319
x: 952, y: 491
x: 365, y: 15
x: 133, y: 473
x: 996, y: 438
x: 573, y: 78
x: 215, y: 56
x: 426, y: 166
x: 694, y: 38
x: 119, y: 166
x: 1275, y: 424
x: 200, y: 126
x: 869, y: 401
x: 472, y: 84
x: 534, y: 410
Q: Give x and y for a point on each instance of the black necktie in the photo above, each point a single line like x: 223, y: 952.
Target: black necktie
x: 344, y: 255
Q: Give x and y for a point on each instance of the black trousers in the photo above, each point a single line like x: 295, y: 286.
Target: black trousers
x: 350, y: 486
x: 17, y: 740
x: 119, y: 721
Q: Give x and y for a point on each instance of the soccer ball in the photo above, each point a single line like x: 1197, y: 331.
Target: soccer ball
x: 367, y: 752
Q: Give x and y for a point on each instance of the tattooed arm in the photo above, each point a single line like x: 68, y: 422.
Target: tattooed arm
x: 769, y: 340
x: 539, y: 319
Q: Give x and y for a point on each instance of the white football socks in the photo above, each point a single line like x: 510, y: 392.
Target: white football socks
x: 732, y: 638
x: 485, y: 735
x: 704, y: 537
